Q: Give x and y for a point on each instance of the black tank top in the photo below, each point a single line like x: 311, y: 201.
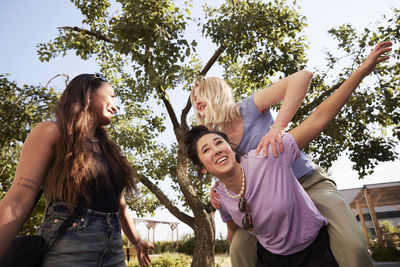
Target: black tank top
x: 105, y: 197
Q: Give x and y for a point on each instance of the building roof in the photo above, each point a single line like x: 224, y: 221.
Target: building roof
x: 383, y: 194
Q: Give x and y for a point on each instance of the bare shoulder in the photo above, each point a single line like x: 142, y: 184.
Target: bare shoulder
x: 45, y: 132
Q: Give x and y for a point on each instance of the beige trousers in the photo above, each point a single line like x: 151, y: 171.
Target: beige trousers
x: 346, y: 241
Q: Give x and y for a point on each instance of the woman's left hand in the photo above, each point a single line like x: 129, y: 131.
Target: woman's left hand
x: 375, y: 57
x: 271, y: 138
x: 142, y: 253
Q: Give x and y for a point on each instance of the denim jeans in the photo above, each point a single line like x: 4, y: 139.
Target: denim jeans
x: 94, y: 238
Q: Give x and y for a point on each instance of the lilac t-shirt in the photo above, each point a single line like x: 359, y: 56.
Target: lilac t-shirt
x: 284, y: 217
x: 256, y: 125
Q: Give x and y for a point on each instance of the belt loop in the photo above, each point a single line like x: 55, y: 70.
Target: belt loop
x: 85, y: 216
x: 47, y: 209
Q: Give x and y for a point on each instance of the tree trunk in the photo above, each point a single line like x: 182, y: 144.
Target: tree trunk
x: 204, y: 233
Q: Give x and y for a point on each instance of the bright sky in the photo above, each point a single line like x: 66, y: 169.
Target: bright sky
x: 24, y: 24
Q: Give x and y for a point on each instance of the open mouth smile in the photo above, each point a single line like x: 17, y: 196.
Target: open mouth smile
x: 222, y: 160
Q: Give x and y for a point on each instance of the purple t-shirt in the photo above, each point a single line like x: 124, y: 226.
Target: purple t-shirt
x: 285, y: 219
x: 256, y: 125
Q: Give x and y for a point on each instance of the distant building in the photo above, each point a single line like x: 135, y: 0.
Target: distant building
x: 384, y: 200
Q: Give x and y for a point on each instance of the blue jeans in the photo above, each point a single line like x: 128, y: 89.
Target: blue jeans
x: 94, y: 238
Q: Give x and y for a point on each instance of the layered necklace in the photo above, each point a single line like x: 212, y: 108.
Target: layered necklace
x: 238, y: 196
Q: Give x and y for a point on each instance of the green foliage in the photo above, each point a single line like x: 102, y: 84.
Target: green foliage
x: 369, y: 123
x: 388, y: 252
x: 221, y: 246
x: 166, y: 260
x: 165, y: 246
x: 186, y: 245
x: 141, y: 46
x: 263, y: 39
x: 388, y: 227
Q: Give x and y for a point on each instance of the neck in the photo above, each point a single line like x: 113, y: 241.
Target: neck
x: 231, y: 125
x: 234, y: 181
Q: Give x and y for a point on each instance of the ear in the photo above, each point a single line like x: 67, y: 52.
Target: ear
x: 203, y: 170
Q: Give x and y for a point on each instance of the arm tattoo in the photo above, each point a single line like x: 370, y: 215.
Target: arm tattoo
x: 27, y: 183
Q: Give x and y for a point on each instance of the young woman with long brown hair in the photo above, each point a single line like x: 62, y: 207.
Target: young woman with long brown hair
x: 82, y: 171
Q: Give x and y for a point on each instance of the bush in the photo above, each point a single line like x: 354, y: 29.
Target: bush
x: 380, y: 252
x: 221, y: 246
x: 186, y: 245
x: 166, y: 260
x: 164, y: 246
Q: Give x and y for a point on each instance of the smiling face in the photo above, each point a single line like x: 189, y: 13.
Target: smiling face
x: 216, y: 156
x: 199, y: 106
x: 102, y: 104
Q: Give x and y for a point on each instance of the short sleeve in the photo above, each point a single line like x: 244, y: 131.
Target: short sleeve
x: 291, y: 150
x: 225, y: 216
x: 250, y: 108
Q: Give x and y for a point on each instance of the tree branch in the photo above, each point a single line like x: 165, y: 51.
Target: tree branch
x: 165, y: 201
x: 91, y: 33
x: 310, y: 106
x: 203, y: 72
x: 170, y: 110
x: 62, y: 74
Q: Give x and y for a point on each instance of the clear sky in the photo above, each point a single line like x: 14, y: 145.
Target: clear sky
x: 24, y: 24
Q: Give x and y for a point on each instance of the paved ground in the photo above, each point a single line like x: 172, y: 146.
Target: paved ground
x: 223, y: 261
x: 387, y: 264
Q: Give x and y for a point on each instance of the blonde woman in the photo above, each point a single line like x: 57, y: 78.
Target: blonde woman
x: 249, y: 124
x: 80, y: 168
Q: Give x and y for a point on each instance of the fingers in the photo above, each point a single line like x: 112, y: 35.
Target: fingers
x: 215, y: 203
x: 279, y: 141
x: 382, y: 59
x: 265, y: 150
x: 214, y: 194
x: 259, y: 147
x: 213, y: 197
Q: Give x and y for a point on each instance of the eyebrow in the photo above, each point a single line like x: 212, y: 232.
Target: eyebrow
x: 217, y: 137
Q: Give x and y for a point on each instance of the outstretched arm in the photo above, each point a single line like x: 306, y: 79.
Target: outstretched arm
x: 292, y: 90
x: 329, y: 108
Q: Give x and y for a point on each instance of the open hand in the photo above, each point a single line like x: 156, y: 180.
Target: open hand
x: 375, y: 57
x: 272, y: 138
x: 142, y: 253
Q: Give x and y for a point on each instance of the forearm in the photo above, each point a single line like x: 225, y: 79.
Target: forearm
x: 296, y: 88
x: 232, y: 227
x: 128, y: 226
x: 326, y: 111
x: 12, y: 214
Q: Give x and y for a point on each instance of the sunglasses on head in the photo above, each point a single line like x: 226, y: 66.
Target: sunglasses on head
x: 247, y: 221
x: 100, y: 76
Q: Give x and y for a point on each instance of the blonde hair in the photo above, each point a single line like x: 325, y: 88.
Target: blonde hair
x: 220, y: 104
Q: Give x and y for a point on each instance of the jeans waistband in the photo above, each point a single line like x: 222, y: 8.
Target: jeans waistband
x: 60, y: 207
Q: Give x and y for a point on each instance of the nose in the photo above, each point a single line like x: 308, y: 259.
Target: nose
x: 217, y: 151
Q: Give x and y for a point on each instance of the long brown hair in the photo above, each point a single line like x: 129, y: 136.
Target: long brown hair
x: 75, y: 166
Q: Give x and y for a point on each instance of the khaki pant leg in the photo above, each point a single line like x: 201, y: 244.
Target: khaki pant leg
x: 346, y: 241
x: 243, y: 249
